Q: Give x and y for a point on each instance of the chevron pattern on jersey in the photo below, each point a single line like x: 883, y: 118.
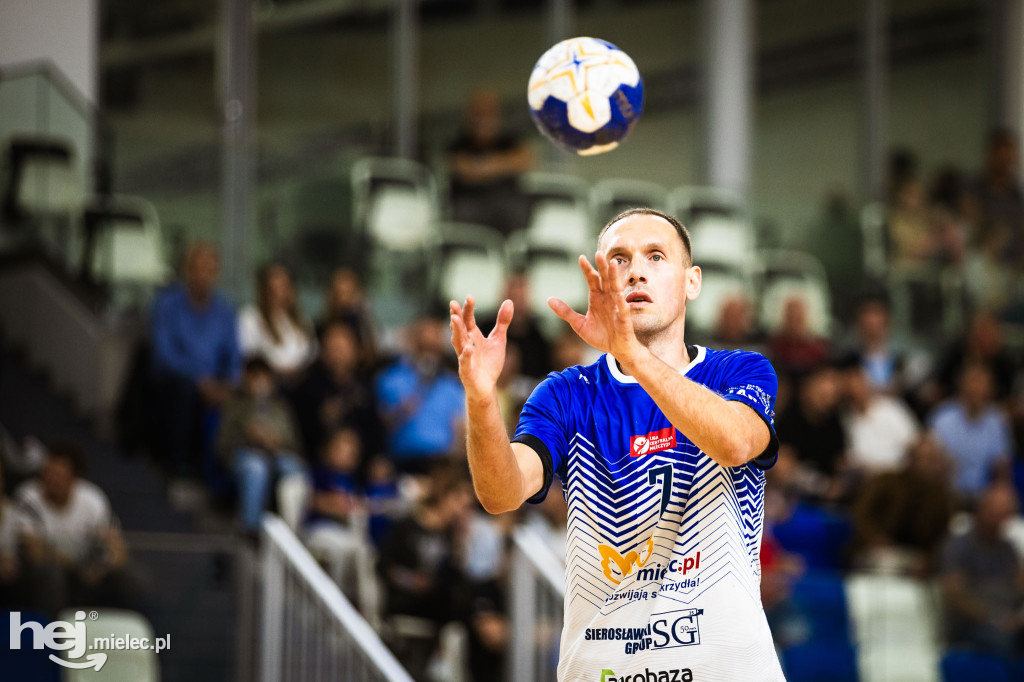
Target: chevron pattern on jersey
x: 614, y: 510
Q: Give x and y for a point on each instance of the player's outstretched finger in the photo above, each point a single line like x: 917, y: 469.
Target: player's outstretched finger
x: 562, y: 309
x: 467, y: 314
x: 504, y: 319
x: 458, y: 334
x: 593, y: 278
x: 455, y: 308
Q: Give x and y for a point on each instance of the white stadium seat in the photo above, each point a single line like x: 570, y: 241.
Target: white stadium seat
x: 610, y: 197
x: 471, y: 260
x: 793, y: 274
x: 394, y: 202
x: 121, y: 665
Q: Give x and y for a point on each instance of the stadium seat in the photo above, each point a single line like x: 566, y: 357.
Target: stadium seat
x: 928, y: 303
x: 875, y: 249
x: 121, y: 665
x: 123, y: 245
x: 43, y: 179
x: 793, y: 274
x: 969, y: 665
x: 895, y: 623
x: 608, y: 198
x: 559, y: 212
x: 25, y: 663
x: 394, y: 202
x: 470, y: 260
x: 829, y: 661
x: 552, y: 272
x: 821, y: 599
x: 816, y: 534
x: 691, y: 204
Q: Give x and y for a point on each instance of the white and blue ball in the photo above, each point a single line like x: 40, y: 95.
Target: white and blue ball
x: 585, y: 95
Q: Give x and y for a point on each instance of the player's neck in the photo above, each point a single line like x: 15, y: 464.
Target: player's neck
x: 668, y: 346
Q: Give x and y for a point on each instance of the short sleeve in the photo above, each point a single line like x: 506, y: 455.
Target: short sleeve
x: 751, y: 380
x: 543, y: 425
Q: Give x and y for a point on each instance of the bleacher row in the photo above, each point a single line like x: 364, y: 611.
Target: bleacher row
x: 399, y: 208
x: 878, y: 627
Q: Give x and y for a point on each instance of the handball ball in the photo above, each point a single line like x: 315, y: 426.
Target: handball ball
x: 585, y: 95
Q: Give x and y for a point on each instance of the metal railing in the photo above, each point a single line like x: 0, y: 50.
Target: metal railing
x: 309, y: 630
x: 537, y: 592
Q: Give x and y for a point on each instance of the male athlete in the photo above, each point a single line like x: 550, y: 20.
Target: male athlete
x: 661, y: 448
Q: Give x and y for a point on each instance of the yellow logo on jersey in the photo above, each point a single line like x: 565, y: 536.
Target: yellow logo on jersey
x: 624, y: 563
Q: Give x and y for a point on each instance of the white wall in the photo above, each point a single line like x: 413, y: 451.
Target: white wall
x: 63, y: 31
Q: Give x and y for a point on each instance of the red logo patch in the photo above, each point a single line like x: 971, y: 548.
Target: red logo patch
x: 655, y: 441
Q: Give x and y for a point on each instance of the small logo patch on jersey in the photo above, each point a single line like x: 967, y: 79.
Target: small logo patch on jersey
x: 655, y: 441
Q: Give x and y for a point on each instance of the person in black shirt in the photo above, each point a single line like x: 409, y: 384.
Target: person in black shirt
x: 811, y: 433
x: 484, y: 164
x: 334, y: 394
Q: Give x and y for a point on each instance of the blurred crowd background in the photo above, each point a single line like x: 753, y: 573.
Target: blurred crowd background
x: 226, y: 253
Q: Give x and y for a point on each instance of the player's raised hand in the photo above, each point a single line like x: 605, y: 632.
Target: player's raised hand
x: 480, y: 357
x: 608, y: 325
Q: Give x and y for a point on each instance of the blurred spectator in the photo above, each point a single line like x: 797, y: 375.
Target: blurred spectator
x: 810, y: 430
x: 879, y: 428
x: 273, y: 328
x: 418, y: 565
x: 334, y: 392
x: 345, y: 302
x: 524, y: 332
x: 196, y: 358
x: 567, y: 350
x: 421, y: 401
x: 982, y: 580
x: 901, y: 518
x: 383, y: 500
x: 982, y: 344
x: 336, y: 525
x: 950, y: 224
x: 11, y: 569
x: 257, y: 441
x: 734, y: 326
x: 484, y: 163
x: 908, y: 220
x: 75, y: 551
x: 795, y: 347
x: 837, y: 241
x: 996, y: 203
x: 975, y: 432
x: 874, y: 346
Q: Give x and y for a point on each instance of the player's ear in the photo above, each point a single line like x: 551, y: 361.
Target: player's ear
x: 693, y: 281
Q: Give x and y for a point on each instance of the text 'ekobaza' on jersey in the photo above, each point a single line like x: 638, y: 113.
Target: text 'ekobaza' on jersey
x: 662, y: 577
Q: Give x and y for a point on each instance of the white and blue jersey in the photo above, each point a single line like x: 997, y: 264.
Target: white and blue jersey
x: 662, y: 559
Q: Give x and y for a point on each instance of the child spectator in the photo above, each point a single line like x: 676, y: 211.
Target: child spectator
x: 258, y: 441
x: 336, y: 527
x: 383, y: 500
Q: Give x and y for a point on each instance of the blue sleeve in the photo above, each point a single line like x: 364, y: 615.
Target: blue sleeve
x: 167, y: 353
x: 543, y: 425
x: 751, y: 380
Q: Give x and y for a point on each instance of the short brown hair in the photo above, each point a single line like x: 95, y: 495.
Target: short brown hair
x: 683, y: 233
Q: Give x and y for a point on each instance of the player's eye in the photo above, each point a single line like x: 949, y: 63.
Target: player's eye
x: 657, y: 256
x: 618, y: 260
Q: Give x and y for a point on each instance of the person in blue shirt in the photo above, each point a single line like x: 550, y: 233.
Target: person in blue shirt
x: 661, y: 448
x: 195, y: 353
x: 421, y: 402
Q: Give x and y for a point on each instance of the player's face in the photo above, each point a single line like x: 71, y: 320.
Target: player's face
x: 656, y: 268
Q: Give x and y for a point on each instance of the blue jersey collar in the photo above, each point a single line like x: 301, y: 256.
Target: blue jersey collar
x: 622, y: 378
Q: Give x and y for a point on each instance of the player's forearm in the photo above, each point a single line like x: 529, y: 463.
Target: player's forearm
x: 496, y: 476
x: 702, y: 416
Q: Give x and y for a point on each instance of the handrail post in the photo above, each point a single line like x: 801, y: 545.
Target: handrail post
x: 272, y: 610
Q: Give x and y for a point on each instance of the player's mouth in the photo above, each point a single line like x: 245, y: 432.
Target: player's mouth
x: 637, y: 299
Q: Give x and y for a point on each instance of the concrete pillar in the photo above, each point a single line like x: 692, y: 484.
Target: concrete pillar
x: 237, y: 98
x: 728, y: 92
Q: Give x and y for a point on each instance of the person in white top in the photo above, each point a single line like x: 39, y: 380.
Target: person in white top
x: 72, y: 541
x: 879, y: 428
x: 11, y: 573
x: 273, y: 328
